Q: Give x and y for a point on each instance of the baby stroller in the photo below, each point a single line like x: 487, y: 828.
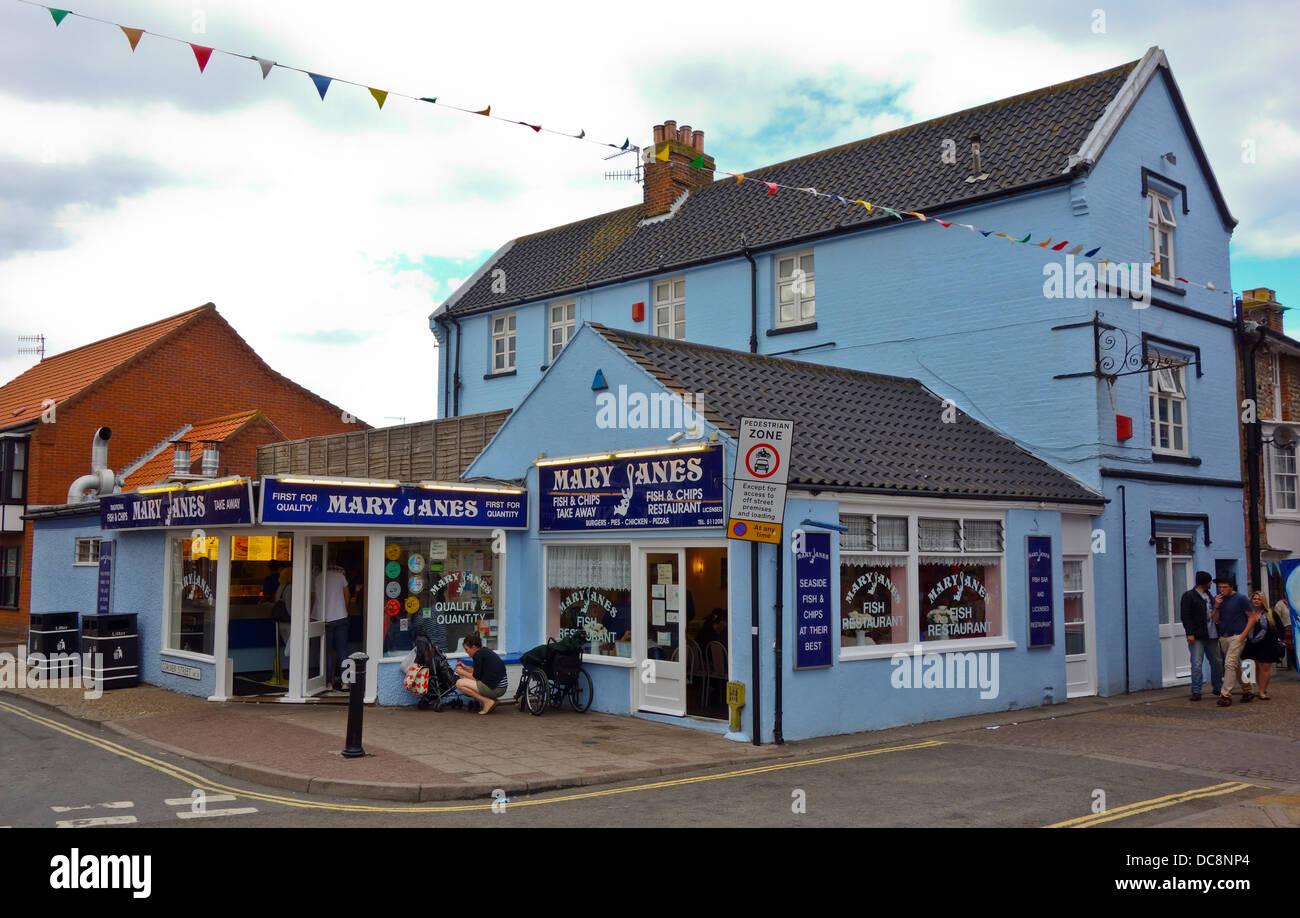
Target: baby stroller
x: 441, y: 686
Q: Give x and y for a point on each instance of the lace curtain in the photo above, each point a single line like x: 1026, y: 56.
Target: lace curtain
x: 603, y: 567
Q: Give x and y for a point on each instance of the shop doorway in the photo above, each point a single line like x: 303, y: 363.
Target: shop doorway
x: 261, y: 572
x: 662, y: 613
x: 1174, y: 576
x: 708, y: 643
x: 335, y: 610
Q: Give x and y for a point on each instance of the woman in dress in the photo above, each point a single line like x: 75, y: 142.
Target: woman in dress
x: 1261, y: 646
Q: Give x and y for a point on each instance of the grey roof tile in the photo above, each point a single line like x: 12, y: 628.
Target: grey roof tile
x: 1025, y: 140
x: 853, y: 429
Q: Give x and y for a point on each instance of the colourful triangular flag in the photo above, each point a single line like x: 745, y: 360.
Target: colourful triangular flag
x: 535, y: 127
x: 322, y: 83
x: 1091, y: 252
x: 698, y: 162
x: 58, y: 15
x: 1043, y: 245
x: 771, y: 188
x: 265, y: 64
x: 662, y: 155
x: 1183, y: 279
x: 920, y: 216
x: 581, y: 134
x: 1075, y: 251
x: 201, y: 54
x: 132, y: 35
x: 626, y: 142
x: 740, y: 177
x: 841, y: 199
x: 987, y: 233
x: 1060, y: 245
x: 892, y: 212
x: 1026, y: 239
x: 969, y: 227
x: 429, y: 99
x: 1005, y: 236
x: 485, y: 112
x: 941, y: 223
x: 381, y: 95
x: 863, y: 203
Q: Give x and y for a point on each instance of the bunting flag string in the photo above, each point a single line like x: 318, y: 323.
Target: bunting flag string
x: 202, y: 55
x: 321, y: 82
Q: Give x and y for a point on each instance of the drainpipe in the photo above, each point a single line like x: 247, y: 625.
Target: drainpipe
x: 777, y: 735
x: 1123, y: 542
x: 446, y: 343
x: 1254, y: 442
x: 753, y: 297
x: 101, y: 479
x: 455, y: 381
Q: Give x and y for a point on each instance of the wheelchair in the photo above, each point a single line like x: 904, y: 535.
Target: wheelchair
x: 553, y: 673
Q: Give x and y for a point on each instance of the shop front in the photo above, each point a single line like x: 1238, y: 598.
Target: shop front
x: 634, y: 560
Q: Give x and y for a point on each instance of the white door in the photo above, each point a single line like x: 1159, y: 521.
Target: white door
x: 315, y: 648
x: 661, y: 612
x: 1174, y: 577
x: 1080, y: 661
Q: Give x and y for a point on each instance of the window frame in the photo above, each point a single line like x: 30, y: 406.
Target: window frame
x: 509, y: 335
x: 1082, y: 594
x: 1167, y: 382
x: 797, y: 298
x: 9, y: 449
x: 1275, y: 454
x: 1160, y: 219
x: 567, y: 324
x: 17, y: 578
x: 916, y: 556
x: 93, y: 542
x: 673, y: 303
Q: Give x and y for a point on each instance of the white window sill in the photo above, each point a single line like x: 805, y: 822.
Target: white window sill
x: 600, y: 658
x: 886, y: 651
x: 85, y: 564
x: 1186, y: 454
x: 187, y: 655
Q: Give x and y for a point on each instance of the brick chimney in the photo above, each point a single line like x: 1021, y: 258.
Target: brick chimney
x: 665, y: 181
x: 1261, y: 305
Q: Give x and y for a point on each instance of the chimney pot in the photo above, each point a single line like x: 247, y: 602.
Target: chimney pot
x: 211, y: 460
x: 659, y: 133
x: 684, y: 134
x: 181, y: 457
x: 697, y: 140
x: 670, y: 130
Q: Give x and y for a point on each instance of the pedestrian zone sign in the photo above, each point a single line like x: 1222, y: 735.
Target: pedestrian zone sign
x: 758, y: 482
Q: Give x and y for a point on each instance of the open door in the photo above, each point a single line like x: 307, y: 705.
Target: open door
x: 314, y: 648
x: 662, y: 614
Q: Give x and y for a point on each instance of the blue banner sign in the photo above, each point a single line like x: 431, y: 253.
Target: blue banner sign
x: 104, y: 596
x: 185, y: 508
x: 1042, y: 620
x: 664, y: 491
x: 812, y: 602
x: 296, y: 503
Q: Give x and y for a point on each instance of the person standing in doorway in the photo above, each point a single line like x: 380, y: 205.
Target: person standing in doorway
x: 337, y: 595
x: 1197, y: 613
x: 1231, y: 615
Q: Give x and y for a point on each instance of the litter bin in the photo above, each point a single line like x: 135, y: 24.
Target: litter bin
x: 114, y: 645
x: 55, y: 637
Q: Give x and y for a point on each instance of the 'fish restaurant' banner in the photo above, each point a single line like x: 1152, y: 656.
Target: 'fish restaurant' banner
x: 666, y: 491
x: 194, y: 507
x: 290, y: 502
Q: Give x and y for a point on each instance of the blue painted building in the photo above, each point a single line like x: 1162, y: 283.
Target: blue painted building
x: 1134, y: 398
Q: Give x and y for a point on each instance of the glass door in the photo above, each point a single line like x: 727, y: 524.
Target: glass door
x: 1174, y: 577
x: 1080, y: 668
x: 663, y: 604
x: 314, y: 648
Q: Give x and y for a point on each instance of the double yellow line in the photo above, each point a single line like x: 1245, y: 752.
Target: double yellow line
x: 1146, y: 806
x: 195, y: 780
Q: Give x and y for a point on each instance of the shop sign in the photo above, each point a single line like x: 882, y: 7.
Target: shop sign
x: 104, y: 595
x: 668, y: 491
x: 1042, y: 620
x: 758, y: 482
x: 296, y: 503
x: 812, y: 602
x: 220, y: 505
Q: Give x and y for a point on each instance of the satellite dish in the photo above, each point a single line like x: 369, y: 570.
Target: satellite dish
x: 1284, y: 436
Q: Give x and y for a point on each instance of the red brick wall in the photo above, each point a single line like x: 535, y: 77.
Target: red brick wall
x: 204, y: 371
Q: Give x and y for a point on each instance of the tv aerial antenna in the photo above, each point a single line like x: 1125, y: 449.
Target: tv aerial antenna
x: 32, y: 344
x: 634, y: 175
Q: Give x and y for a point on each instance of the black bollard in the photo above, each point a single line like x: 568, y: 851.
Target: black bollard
x: 356, y: 706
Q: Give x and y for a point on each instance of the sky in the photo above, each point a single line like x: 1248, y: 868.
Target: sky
x: 134, y: 187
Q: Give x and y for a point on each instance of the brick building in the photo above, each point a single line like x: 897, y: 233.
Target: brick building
x: 1277, y: 396
x: 152, y: 386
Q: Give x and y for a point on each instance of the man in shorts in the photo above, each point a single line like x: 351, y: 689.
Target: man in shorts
x: 487, y: 680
